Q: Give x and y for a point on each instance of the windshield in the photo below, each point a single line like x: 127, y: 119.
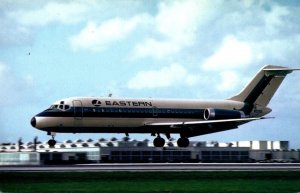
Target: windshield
x: 53, y: 107
x: 62, y: 106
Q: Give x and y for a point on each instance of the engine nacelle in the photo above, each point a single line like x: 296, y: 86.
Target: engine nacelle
x: 215, y: 114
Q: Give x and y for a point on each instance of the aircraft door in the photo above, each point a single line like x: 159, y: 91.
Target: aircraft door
x: 78, y: 110
x: 154, y: 111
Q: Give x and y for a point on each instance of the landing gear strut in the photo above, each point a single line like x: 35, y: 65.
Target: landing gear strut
x: 158, y: 141
x: 52, y: 141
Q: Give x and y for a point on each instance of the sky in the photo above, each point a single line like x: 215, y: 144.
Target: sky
x: 50, y: 50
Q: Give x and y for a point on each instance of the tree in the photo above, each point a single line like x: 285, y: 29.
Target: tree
x: 110, y: 144
x: 102, y: 140
x: 126, y: 139
x: 20, y: 143
x: 35, y: 142
x: 114, y: 139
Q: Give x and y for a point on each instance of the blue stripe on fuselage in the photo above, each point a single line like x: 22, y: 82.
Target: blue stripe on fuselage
x: 125, y: 112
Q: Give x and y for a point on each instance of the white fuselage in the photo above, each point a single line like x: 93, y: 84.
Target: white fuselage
x: 97, y: 114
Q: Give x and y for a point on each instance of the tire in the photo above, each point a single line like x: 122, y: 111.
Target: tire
x: 51, y: 142
x: 159, y: 142
x: 183, y: 142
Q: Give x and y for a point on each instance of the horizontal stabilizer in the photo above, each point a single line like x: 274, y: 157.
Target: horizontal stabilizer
x: 282, y: 71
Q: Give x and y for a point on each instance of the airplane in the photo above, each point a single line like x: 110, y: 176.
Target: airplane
x: 188, y: 118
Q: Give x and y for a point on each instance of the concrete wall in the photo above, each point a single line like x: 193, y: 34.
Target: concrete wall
x: 20, y: 158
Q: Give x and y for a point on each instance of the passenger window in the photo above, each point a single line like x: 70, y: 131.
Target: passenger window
x: 61, y: 107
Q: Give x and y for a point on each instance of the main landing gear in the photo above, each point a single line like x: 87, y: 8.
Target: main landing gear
x: 181, y: 142
x: 159, y: 142
x: 52, y: 141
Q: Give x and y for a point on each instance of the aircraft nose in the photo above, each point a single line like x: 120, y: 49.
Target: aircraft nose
x: 33, y: 122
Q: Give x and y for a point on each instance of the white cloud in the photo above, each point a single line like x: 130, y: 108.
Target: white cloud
x: 154, y: 48
x: 181, y: 25
x: 176, y: 24
x: 274, y: 19
x: 231, y: 54
x: 99, y: 37
x: 178, y: 21
x: 281, y: 49
x: 70, y: 12
x: 229, y: 81
x: 21, y: 20
x: 168, y: 76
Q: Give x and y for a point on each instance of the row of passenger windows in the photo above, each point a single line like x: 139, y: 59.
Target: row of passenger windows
x: 143, y: 110
x: 65, y: 107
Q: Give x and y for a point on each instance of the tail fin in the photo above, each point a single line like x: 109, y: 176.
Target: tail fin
x: 262, y: 87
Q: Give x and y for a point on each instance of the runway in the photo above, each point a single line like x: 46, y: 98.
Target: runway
x: 138, y: 167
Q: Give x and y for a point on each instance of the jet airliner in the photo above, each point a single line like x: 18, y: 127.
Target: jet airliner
x: 188, y: 118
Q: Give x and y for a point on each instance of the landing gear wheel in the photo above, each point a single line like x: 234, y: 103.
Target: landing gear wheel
x: 183, y: 142
x: 159, y: 142
x: 51, y: 143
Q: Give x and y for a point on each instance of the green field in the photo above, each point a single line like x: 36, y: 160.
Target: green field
x: 269, y: 181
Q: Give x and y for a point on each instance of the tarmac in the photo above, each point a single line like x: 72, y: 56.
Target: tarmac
x: 142, y: 167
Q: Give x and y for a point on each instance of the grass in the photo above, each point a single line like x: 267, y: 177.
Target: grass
x: 267, y: 181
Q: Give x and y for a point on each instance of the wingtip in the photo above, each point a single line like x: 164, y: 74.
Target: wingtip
x: 267, y: 117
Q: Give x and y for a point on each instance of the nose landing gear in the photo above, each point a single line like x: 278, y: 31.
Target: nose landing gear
x: 52, y: 141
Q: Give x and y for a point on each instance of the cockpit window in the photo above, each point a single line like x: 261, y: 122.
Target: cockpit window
x: 53, y: 107
x: 61, y: 106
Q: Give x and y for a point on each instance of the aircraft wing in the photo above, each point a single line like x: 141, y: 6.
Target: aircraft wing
x: 201, y: 127
x: 205, y: 122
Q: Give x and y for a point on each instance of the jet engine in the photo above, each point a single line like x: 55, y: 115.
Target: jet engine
x: 215, y: 114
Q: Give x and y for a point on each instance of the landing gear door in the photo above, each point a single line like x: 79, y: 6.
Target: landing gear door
x: 78, y: 110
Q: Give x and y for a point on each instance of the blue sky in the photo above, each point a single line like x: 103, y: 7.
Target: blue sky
x: 161, y: 49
